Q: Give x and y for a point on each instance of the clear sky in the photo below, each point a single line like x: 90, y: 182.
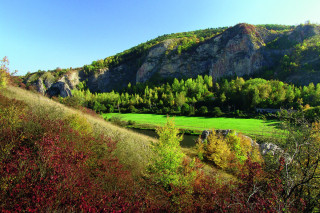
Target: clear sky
x: 46, y: 34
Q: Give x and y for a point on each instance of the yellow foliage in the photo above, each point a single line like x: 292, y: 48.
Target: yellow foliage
x: 229, y: 151
x: 218, y: 151
x: 79, y: 123
x: 4, y: 72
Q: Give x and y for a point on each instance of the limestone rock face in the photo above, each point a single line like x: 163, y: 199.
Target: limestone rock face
x: 234, y: 52
x: 72, y: 79
x: 275, y: 151
x: 40, y: 86
x: 152, y: 61
x: 271, y: 148
x: 59, y: 88
x: 43, y: 83
x: 206, y: 133
x: 111, y: 79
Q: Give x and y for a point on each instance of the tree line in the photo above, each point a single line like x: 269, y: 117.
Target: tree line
x: 200, y: 96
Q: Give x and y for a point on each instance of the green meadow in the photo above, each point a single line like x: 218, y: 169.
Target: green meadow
x: 246, y: 126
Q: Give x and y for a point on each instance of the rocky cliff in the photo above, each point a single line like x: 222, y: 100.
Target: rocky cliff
x: 237, y: 51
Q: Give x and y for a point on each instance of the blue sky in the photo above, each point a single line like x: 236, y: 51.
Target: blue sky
x: 46, y: 34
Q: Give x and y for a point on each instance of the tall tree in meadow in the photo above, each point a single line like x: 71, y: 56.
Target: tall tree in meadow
x: 164, y: 168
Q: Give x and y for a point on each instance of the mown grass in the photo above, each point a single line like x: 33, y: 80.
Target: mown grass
x: 251, y: 126
x: 133, y: 149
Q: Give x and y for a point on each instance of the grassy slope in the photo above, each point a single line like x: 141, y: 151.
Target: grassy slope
x: 133, y: 148
x: 246, y: 126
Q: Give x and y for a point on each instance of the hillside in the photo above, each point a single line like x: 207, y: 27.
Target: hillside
x: 269, y: 51
x: 132, y: 148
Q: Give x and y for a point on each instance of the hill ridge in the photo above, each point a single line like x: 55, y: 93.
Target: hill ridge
x: 241, y: 50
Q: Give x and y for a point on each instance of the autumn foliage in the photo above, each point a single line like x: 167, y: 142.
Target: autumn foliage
x: 48, y: 165
x: 4, y: 72
x: 228, y: 152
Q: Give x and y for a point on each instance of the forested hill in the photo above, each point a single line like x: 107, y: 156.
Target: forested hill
x: 287, y: 53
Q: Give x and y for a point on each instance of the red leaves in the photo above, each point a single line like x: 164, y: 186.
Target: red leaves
x: 52, y: 167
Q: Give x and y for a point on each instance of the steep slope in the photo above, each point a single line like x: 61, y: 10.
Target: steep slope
x: 242, y: 50
x: 132, y: 148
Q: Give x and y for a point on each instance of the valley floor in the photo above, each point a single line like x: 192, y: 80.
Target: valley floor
x: 252, y: 127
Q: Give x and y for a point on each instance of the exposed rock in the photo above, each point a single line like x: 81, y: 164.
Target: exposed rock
x: 206, y: 133
x: 271, y: 148
x: 59, y: 88
x: 274, y: 150
x: 40, y: 86
x: 150, y: 64
x: 72, y: 79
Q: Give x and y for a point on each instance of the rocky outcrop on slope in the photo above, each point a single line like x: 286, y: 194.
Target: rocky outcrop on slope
x: 224, y: 133
x: 59, y: 88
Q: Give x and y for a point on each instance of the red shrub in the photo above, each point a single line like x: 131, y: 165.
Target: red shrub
x: 45, y: 166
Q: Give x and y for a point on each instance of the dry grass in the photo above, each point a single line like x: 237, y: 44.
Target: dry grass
x: 133, y: 149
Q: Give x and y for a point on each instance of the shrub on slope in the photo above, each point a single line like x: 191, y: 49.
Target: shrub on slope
x: 46, y: 164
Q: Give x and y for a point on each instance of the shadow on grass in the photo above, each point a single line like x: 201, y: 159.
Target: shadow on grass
x: 273, y: 123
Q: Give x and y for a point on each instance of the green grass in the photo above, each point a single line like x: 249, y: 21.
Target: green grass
x: 246, y: 126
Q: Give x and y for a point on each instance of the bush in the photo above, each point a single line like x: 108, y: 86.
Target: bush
x: 167, y: 162
x: 230, y: 151
x: 132, y: 109
x: 203, y: 110
x: 216, y: 150
x: 72, y: 101
x: 130, y: 122
x: 117, y: 121
x: 165, y: 110
x: 217, y: 112
x: 185, y: 109
x: 110, y: 108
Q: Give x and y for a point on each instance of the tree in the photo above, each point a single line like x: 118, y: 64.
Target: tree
x: 165, y: 166
x: 180, y: 99
x: 185, y: 109
x: 203, y: 110
x: 217, y: 111
x: 217, y: 150
x: 98, y: 107
x: 176, y: 85
x: 300, y: 171
x: 223, y: 98
x: 4, y: 72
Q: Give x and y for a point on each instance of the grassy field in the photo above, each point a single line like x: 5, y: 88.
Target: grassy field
x: 246, y: 126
